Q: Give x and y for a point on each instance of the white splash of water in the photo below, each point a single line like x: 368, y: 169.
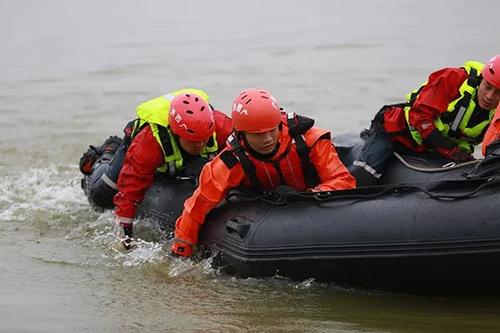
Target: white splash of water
x: 306, y: 284
x: 53, y: 188
x: 142, y: 253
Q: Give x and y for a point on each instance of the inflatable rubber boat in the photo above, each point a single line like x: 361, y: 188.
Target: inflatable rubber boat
x: 430, y: 228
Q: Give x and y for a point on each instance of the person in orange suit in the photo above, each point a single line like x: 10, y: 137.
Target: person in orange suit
x: 268, y: 149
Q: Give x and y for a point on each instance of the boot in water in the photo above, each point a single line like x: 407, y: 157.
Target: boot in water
x: 89, y: 158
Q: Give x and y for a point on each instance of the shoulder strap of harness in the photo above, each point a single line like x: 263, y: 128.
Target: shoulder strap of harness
x: 211, y: 143
x: 455, y: 117
x: 239, y: 153
x: 131, y: 130
x: 165, y: 140
x: 134, y: 127
x: 297, y: 126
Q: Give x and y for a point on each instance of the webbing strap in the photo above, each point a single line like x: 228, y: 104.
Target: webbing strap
x: 246, y: 163
x: 310, y: 174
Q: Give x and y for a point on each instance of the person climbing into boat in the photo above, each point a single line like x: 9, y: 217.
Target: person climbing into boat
x: 174, y: 135
x: 267, y: 149
x: 449, y: 114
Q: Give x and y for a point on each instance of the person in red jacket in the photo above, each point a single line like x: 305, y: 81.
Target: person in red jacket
x: 174, y: 135
x: 267, y: 149
x: 193, y: 134
x: 449, y: 114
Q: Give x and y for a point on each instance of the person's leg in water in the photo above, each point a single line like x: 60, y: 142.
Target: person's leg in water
x: 100, y: 184
x: 371, y: 162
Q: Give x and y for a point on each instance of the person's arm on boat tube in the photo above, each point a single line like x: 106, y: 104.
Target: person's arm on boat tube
x: 216, y: 179
x: 136, y: 175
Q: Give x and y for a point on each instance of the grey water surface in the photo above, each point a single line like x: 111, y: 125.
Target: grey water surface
x: 71, y: 74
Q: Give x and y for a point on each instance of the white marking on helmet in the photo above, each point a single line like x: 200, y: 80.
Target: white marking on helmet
x: 239, y: 108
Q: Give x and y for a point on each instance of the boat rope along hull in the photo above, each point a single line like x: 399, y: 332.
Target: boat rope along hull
x: 402, y: 241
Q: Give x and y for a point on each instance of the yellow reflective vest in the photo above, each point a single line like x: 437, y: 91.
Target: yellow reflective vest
x: 155, y: 114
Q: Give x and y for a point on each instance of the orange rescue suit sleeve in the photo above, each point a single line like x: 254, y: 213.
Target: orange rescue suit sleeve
x: 332, y: 173
x: 216, y: 180
x: 493, y: 131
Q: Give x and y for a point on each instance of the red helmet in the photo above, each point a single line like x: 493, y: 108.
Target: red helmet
x: 255, y: 111
x: 491, y: 71
x: 191, y: 117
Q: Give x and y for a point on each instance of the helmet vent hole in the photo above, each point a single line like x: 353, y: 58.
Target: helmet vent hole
x: 187, y: 95
x: 190, y: 131
x: 248, y: 101
x: 202, y: 109
x: 211, y: 125
x: 264, y: 97
x: 196, y: 99
x: 189, y: 112
x: 244, y: 97
x: 185, y: 102
x: 492, y: 72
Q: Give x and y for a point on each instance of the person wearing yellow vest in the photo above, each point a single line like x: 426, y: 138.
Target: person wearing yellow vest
x: 173, y: 135
x: 449, y: 114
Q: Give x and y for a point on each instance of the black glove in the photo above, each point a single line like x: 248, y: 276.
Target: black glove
x: 458, y: 155
x: 127, y: 242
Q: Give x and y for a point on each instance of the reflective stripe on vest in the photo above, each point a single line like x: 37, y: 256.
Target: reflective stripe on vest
x: 155, y: 113
x: 173, y: 156
x: 454, y: 124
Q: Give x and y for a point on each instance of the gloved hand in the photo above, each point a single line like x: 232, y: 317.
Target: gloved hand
x: 179, y: 248
x: 458, y: 155
x: 127, y: 225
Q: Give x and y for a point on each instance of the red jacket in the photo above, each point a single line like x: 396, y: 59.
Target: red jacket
x: 442, y: 88
x: 143, y: 157
x: 217, y: 178
x: 493, y: 131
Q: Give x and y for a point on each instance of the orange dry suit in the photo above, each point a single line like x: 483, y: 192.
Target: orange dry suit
x: 304, y: 159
